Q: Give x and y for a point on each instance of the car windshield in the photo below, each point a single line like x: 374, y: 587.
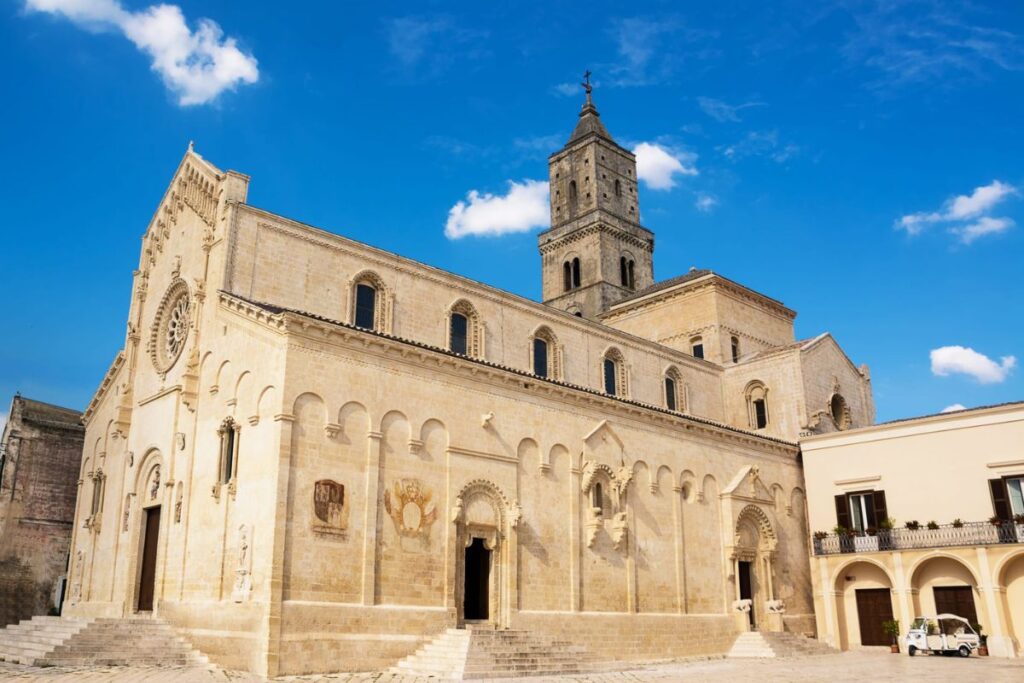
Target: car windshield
x: 920, y: 623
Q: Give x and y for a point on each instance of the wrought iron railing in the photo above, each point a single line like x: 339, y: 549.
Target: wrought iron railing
x: 946, y: 535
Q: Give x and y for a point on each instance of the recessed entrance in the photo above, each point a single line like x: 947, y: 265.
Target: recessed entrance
x: 874, y: 608
x: 476, y: 601
x: 147, y: 574
x: 958, y: 600
x: 747, y: 589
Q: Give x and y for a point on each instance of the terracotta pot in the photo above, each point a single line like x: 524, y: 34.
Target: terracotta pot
x: 983, y: 651
x: 895, y: 649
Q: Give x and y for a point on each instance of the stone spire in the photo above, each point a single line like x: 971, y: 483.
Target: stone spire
x: 590, y: 119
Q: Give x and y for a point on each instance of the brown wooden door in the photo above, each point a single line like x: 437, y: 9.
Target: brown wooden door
x: 874, y: 607
x: 958, y: 600
x: 147, y: 576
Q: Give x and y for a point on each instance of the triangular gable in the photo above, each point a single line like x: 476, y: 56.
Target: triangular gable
x: 747, y: 485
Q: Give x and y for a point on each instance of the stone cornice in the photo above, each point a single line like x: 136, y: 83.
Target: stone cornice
x: 323, y: 330
x: 105, y: 384
x: 709, y: 281
x: 576, y: 234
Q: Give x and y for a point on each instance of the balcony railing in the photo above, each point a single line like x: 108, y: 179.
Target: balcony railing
x: 972, y: 533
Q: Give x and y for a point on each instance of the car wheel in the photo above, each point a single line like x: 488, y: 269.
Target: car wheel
x: 911, y: 650
x: 964, y: 651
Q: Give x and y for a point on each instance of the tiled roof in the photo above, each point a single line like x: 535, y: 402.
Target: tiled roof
x: 666, y: 284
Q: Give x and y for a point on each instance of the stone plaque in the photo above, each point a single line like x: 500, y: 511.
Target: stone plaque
x: 329, y: 506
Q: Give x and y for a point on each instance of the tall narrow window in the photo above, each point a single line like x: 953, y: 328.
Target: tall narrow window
x: 631, y: 278
x: 623, y: 272
x: 540, y: 357
x: 228, y: 451
x: 572, y: 194
x: 459, y: 334
x: 697, y: 347
x: 609, y: 377
x: 618, y: 188
x: 567, y: 276
x: 576, y: 276
x: 760, y: 414
x: 670, y: 393
x: 97, y: 493
x: 366, y: 307
x: 597, y: 497
x: 735, y: 342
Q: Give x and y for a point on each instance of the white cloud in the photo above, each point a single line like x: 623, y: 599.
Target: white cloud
x: 948, y: 360
x: 706, y: 203
x: 721, y: 111
x: 197, y: 66
x: 954, y: 408
x: 3, y: 421
x: 524, y: 208
x: 962, y: 209
x: 985, y: 226
x: 762, y: 143
x: 567, y: 89
x: 658, y: 166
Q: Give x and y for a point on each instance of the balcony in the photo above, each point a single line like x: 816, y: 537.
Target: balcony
x: 945, y: 536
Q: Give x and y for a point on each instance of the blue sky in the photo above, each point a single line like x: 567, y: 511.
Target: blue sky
x: 860, y: 161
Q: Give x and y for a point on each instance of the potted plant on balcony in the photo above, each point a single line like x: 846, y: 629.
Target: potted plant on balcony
x: 845, y: 537
x: 885, y: 527
x: 819, y: 536
x: 913, y: 525
x: 958, y: 523
x: 933, y: 525
x: 891, y: 628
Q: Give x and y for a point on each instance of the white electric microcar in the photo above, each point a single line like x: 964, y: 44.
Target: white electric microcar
x: 944, y: 634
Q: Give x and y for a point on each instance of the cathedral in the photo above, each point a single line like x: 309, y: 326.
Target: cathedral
x: 313, y: 455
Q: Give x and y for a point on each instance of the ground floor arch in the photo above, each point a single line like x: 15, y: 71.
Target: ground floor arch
x: 864, y: 602
x: 1011, y: 586
x: 943, y: 584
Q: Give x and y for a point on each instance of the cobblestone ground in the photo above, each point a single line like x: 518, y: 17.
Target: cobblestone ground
x: 849, y: 666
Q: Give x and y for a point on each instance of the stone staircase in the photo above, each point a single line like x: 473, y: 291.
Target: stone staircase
x: 785, y: 644
x: 66, y: 641
x: 478, y: 653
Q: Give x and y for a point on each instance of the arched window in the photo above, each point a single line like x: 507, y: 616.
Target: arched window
x: 757, y: 405
x: 545, y: 354
x: 228, y: 466
x: 576, y: 275
x: 735, y: 344
x: 618, y: 188
x: 623, y: 272
x: 366, y: 306
x: 673, y: 390
x: 613, y: 371
x: 596, y: 496
x: 572, y: 194
x: 567, y: 276
x: 370, y: 303
x: 631, y: 278
x: 697, y: 347
x: 464, y: 335
x: 840, y: 411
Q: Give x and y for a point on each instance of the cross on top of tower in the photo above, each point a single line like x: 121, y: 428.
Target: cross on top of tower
x: 587, y: 85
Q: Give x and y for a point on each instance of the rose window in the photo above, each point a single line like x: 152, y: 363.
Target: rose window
x: 170, y: 328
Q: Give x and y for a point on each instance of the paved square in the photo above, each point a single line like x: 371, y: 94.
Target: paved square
x: 847, y: 666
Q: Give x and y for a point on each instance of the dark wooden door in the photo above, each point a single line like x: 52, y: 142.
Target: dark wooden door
x: 874, y: 607
x: 147, y: 576
x: 747, y: 589
x: 476, y: 601
x: 958, y: 600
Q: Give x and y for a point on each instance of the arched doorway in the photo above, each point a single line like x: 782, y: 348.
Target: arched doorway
x: 483, y: 520
x: 945, y: 585
x: 752, y: 555
x: 149, y: 496
x: 1011, y: 582
x: 864, y: 602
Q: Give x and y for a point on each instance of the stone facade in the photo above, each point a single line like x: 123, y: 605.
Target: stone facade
x: 959, y: 477
x: 317, y: 454
x: 40, y: 453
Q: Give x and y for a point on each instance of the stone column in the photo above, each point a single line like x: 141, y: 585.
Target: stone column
x: 271, y: 634
x: 677, y: 510
x: 575, y: 547
x: 1000, y: 643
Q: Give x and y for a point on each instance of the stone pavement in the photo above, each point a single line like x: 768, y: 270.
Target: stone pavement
x: 848, y: 666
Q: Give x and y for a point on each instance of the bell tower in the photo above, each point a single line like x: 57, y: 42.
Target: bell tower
x: 595, y: 252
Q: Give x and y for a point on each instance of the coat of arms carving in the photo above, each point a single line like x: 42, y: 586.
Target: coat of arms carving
x: 410, y: 507
x: 330, y: 507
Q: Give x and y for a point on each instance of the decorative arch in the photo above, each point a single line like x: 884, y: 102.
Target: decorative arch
x: 264, y: 405
x: 474, y: 337
x: 382, y: 300
x: 673, y: 390
x: 841, y: 570
x: 148, y: 478
x: 839, y: 411
x: 708, y: 490
x: 686, y: 486
x: 1001, y: 565
x: 483, y: 489
x: 939, y: 554
x: 757, y: 517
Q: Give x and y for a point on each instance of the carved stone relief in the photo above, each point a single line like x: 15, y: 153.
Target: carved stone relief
x: 242, y: 588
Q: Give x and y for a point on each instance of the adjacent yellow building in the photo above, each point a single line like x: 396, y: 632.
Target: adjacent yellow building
x: 950, y: 485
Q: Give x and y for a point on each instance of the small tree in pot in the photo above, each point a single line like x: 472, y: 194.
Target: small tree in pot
x: 891, y: 628
x: 982, y: 640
